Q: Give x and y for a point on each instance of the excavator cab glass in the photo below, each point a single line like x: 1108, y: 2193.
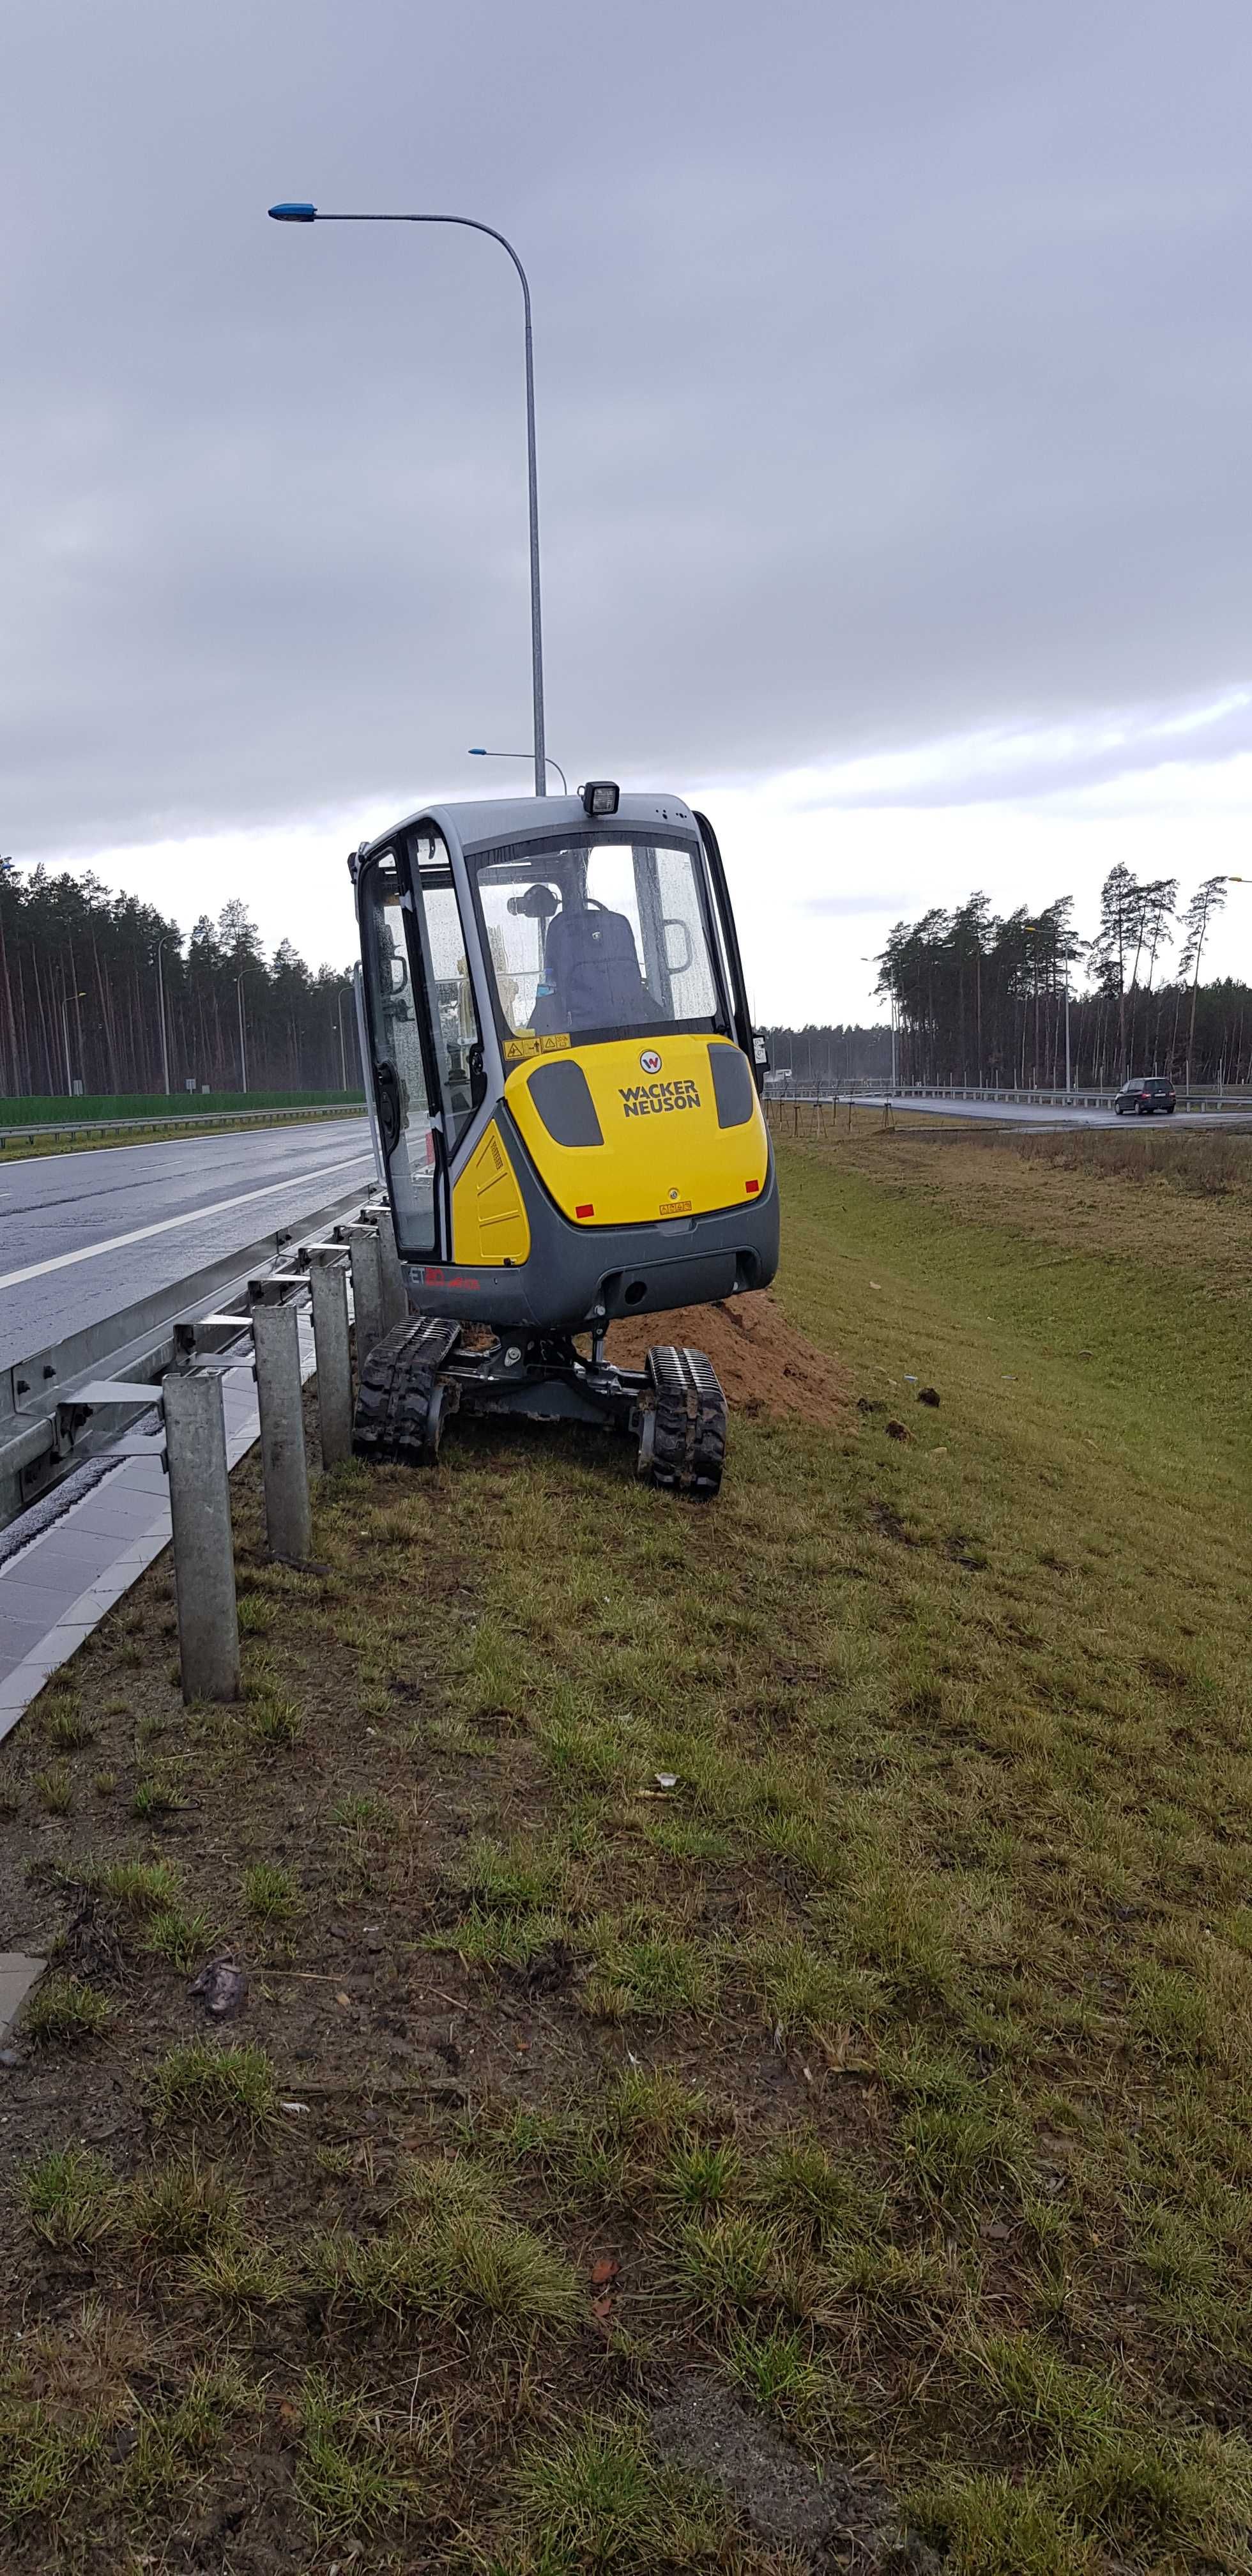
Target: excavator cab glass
x: 596, y: 937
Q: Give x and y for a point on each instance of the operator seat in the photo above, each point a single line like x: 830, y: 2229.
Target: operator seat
x: 591, y: 960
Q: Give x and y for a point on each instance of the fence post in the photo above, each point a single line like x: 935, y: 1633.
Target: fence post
x: 395, y: 1294
x: 284, y: 1467
x: 204, y: 1563
x: 328, y: 1285
x: 367, y: 1289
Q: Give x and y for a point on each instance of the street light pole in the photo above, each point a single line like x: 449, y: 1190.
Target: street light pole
x: 477, y: 753
x: 288, y: 213
x: 65, y: 1038
x: 165, y: 1052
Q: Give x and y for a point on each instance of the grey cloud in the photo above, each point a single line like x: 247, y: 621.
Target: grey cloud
x: 892, y: 377
x: 1041, y: 770
x: 847, y: 906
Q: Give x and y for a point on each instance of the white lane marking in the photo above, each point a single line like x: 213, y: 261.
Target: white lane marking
x: 167, y: 1224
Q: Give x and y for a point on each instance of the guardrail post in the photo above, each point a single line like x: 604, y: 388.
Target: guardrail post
x: 395, y: 1295
x: 328, y: 1284
x: 284, y: 1467
x: 204, y: 1562
x: 367, y: 1289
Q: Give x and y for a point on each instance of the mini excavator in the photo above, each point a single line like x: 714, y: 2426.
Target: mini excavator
x: 564, y: 1087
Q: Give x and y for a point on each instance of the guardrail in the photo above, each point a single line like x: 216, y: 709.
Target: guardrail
x: 195, y: 1431
x: 187, y: 1121
x: 1202, y: 1096
x: 50, y: 1422
x: 185, y: 1391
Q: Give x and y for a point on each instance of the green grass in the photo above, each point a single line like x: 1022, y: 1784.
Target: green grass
x: 65, y: 1725
x: 595, y: 2498
x: 180, y: 2206
x: 54, y: 1788
x: 182, y: 1936
x: 775, y: 2368
x: 350, y: 2478
x: 200, y: 2081
x: 158, y: 1794
x: 271, y: 1894
x: 450, y: 2254
x: 891, y: 2071
x: 138, y: 1887
x: 69, y: 2197
x: 278, y: 1722
x: 63, y: 2011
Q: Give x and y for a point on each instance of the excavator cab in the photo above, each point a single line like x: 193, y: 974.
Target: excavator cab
x: 565, y: 1087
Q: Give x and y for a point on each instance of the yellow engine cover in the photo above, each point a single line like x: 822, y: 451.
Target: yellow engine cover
x: 663, y: 1154
x: 488, y: 1219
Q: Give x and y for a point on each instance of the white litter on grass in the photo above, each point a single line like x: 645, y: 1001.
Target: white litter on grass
x: 666, y: 1779
x: 293, y: 2106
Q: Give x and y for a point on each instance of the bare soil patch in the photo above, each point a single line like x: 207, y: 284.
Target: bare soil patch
x: 765, y: 1365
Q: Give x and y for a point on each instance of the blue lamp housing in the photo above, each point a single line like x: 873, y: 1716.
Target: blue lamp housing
x: 289, y: 213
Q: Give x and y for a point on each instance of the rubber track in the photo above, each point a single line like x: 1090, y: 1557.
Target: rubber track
x: 689, y: 1438
x: 396, y: 1385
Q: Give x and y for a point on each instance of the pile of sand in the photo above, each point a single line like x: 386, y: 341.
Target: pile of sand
x: 763, y: 1363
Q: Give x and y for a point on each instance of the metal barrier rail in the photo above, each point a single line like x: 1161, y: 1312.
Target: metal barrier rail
x: 49, y: 1422
x: 189, y: 1120
x: 195, y: 1433
x: 1202, y: 1096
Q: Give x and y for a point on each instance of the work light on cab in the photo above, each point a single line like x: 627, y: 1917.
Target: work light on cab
x: 565, y: 1095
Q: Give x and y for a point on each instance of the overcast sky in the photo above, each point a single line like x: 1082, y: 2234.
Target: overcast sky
x: 893, y: 371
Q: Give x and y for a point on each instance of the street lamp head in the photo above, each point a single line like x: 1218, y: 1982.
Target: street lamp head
x: 290, y: 213
x: 476, y: 751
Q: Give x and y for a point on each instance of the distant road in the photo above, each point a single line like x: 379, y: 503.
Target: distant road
x: 84, y: 1234
x: 1026, y: 1115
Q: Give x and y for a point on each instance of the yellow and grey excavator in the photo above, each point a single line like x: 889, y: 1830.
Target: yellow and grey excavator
x: 564, y: 1085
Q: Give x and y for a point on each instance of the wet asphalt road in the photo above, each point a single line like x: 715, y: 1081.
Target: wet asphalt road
x: 82, y: 1235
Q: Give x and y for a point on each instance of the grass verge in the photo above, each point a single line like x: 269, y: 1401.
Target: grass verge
x: 890, y: 2067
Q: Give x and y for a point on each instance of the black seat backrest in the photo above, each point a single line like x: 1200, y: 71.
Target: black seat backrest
x: 592, y: 961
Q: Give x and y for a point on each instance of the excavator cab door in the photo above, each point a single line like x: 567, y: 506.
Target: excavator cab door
x: 746, y: 1037
x: 402, y: 1064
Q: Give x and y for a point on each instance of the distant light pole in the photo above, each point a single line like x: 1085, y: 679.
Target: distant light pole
x: 290, y: 213
x: 477, y: 753
x: 343, y: 1053
x: 243, y: 1044
x: 65, y: 1039
x: 165, y: 1052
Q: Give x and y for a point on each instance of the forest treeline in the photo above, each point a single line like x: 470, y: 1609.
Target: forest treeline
x: 979, y: 999
x: 80, y: 998
x: 836, y: 1053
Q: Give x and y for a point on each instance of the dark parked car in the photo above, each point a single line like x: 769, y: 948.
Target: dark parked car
x: 1145, y: 1094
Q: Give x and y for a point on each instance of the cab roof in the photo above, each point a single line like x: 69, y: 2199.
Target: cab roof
x: 484, y: 819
